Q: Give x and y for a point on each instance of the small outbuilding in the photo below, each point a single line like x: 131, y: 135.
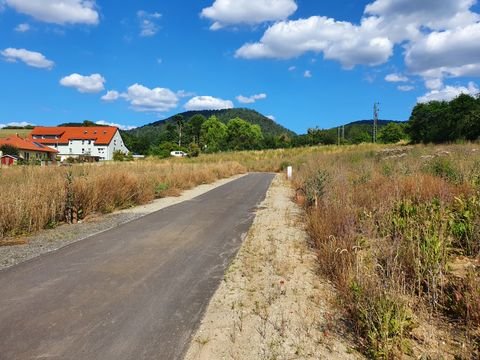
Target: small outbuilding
x: 7, y: 160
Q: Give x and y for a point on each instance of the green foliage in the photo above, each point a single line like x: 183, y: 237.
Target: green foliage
x: 423, y: 234
x: 444, y: 168
x: 242, y: 135
x: 193, y: 150
x: 441, y: 121
x: 9, y: 150
x: 140, y: 140
x: 163, y: 150
x: 194, y: 127
x: 213, y: 134
x: 465, y: 225
x: 314, y: 187
x: 392, y: 133
x: 384, y: 321
x: 119, y: 155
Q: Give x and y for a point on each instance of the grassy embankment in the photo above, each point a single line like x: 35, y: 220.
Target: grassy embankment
x: 398, y: 234
x: 35, y: 198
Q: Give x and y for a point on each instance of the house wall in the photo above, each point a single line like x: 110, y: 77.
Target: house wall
x: 35, y: 155
x: 76, y: 148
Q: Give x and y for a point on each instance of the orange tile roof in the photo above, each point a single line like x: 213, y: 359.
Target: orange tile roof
x: 26, y: 144
x: 102, y: 135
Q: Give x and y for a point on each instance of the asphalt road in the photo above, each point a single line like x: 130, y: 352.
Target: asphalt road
x: 135, y: 292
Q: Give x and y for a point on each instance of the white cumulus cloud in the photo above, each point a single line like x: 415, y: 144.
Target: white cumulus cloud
x: 120, y: 126
x: 111, y: 95
x: 446, y: 53
x: 207, y: 103
x: 396, y: 78
x: 231, y: 12
x: 58, y: 11
x: 85, y: 84
x: 337, y: 40
x: 16, y: 124
x: 144, y: 99
x: 271, y: 117
x: 307, y: 74
x: 31, y: 58
x: 439, y: 38
x: 250, y: 99
x: 448, y: 93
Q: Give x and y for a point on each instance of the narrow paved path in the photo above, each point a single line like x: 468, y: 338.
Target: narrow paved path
x: 135, y: 292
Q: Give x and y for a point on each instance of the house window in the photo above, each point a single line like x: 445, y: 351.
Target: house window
x: 83, y: 142
x: 70, y: 150
x: 83, y: 151
x: 89, y: 142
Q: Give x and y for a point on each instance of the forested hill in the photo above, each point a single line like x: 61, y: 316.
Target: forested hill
x: 268, y: 126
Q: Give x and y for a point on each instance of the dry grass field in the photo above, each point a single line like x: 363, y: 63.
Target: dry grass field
x: 35, y: 198
x: 4, y: 133
x: 396, y: 230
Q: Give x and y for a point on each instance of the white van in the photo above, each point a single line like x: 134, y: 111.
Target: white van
x: 178, y: 153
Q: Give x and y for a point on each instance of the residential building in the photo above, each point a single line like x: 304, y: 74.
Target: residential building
x: 98, y: 142
x: 30, y: 150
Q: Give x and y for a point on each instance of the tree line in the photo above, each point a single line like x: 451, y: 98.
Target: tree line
x: 197, y: 134
x: 446, y: 121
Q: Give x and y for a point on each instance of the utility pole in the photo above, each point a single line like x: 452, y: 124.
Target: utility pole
x: 376, y: 111
x: 343, y: 134
x: 338, y: 136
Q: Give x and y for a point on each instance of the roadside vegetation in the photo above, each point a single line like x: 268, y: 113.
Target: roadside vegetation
x: 397, y: 231
x: 34, y: 198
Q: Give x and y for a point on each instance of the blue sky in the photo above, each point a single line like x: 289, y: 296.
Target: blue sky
x: 305, y: 63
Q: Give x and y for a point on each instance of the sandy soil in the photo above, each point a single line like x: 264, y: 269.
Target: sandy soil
x: 54, y: 239
x: 271, y: 304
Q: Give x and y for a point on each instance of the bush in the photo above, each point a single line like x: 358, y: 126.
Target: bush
x: 193, y: 150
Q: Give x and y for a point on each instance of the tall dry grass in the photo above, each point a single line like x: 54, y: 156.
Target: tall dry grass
x: 398, y: 232
x: 33, y: 198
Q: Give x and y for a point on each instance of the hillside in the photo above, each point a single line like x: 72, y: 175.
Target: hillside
x: 268, y: 126
x: 22, y: 132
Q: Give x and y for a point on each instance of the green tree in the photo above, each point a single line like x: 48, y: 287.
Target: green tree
x: 179, y: 121
x: 213, y: 134
x: 194, y: 127
x: 392, y: 133
x: 9, y: 150
x: 119, y: 155
x: 163, y: 149
x: 241, y: 135
x: 358, y: 136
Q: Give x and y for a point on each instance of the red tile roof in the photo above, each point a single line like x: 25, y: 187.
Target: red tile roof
x: 102, y: 135
x: 26, y: 144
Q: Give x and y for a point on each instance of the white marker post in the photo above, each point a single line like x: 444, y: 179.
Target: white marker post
x: 289, y: 173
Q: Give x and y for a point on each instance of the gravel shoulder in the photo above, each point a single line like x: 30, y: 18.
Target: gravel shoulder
x: 272, y: 304
x: 46, y: 241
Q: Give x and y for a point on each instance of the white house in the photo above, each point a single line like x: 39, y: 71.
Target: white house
x: 96, y: 141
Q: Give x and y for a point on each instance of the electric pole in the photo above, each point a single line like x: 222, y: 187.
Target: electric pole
x: 376, y: 111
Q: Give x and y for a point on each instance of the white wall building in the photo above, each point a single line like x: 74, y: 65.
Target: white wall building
x: 96, y: 141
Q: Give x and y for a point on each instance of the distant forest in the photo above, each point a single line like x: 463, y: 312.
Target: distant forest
x: 244, y: 129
